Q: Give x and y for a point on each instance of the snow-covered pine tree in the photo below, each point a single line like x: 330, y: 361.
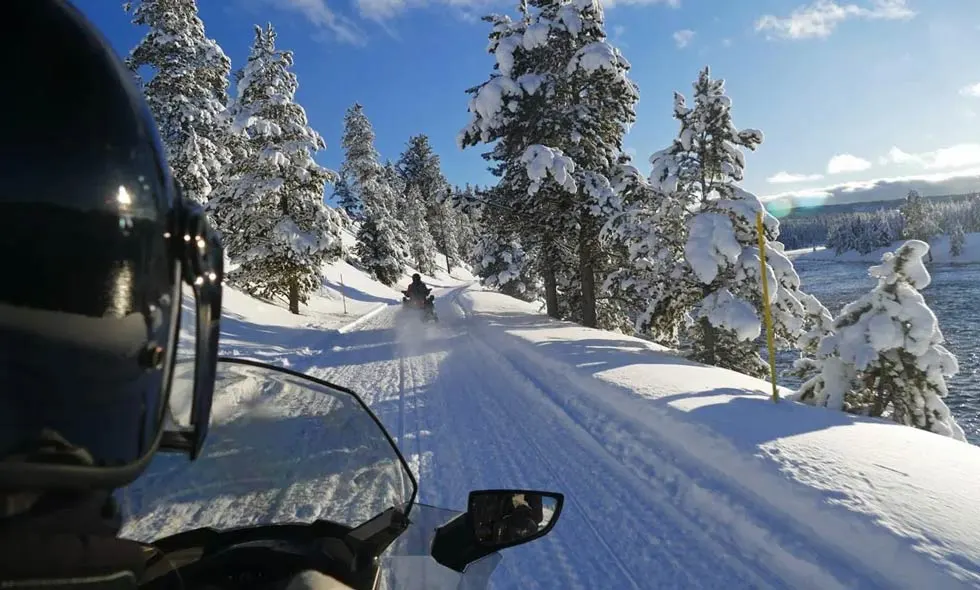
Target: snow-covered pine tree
x: 502, y: 264
x: 187, y: 91
x: 920, y: 223
x: 650, y: 234
x: 271, y: 210
x: 885, y: 355
x: 452, y: 250
x: 398, y: 189
x: 957, y: 239
x: 344, y: 198
x: 360, y: 160
x: 818, y: 323
x: 559, y: 93
x: 421, y: 244
x: 381, y: 239
x: 467, y: 224
x: 702, y: 243
x: 419, y: 167
x: 378, y: 248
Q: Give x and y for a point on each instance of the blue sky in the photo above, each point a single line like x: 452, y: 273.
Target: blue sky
x: 847, y: 92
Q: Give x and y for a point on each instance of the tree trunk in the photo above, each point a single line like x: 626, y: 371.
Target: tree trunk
x: 587, y: 271
x: 293, y: 282
x: 550, y: 287
x: 294, y: 295
x: 709, y: 341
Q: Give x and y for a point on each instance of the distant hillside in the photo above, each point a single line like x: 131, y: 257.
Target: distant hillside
x: 878, y: 191
x: 777, y: 208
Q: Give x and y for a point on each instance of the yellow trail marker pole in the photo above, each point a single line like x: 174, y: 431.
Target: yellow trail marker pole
x: 766, y: 308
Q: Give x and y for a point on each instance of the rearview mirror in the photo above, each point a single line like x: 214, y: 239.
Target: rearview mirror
x: 504, y: 518
x: 494, y: 520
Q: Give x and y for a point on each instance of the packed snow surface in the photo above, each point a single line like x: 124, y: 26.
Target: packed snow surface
x: 676, y: 475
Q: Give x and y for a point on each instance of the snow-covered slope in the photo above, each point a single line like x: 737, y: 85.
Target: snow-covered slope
x: 676, y: 475
x: 938, y: 246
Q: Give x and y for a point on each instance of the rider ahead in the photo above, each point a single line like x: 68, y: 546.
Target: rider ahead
x: 417, y: 289
x: 97, y: 240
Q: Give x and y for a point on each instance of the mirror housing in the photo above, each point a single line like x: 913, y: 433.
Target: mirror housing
x: 495, y: 520
x: 199, y: 249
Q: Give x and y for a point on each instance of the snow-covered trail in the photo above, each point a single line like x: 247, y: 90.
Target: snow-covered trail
x: 466, y: 417
x: 471, y: 409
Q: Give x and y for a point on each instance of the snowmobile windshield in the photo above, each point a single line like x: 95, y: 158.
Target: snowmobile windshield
x: 283, y: 448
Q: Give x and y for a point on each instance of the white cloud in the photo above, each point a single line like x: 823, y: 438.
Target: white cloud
x: 336, y: 26
x: 790, y: 178
x: 843, y: 163
x: 610, y: 3
x: 383, y: 10
x: 321, y: 16
x: 683, y: 38
x: 820, y: 18
x: 973, y: 90
x: 956, y: 156
x: 380, y: 10
x: 886, y: 189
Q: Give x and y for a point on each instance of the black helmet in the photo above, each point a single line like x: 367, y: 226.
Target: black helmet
x: 95, y: 240
x: 416, y: 277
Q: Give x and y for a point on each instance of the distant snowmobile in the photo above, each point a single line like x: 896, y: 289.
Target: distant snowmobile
x: 418, y: 296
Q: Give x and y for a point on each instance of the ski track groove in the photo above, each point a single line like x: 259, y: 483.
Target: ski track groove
x: 463, y: 462
x: 575, y: 502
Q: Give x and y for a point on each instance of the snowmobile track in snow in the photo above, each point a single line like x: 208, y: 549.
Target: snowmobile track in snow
x: 693, y: 576
x: 739, y: 526
x: 639, y: 511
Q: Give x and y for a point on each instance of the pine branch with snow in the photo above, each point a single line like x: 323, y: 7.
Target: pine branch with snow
x: 343, y: 196
x: 651, y: 253
x: 885, y: 356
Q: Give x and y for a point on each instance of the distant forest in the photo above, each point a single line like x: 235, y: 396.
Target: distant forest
x: 868, y: 226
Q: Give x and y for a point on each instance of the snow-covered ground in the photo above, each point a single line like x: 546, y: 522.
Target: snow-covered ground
x: 939, y: 247
x: 676, y: 475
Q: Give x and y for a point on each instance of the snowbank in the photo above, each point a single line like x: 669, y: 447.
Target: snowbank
x: 939, y: 247
x: 888, y: 505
